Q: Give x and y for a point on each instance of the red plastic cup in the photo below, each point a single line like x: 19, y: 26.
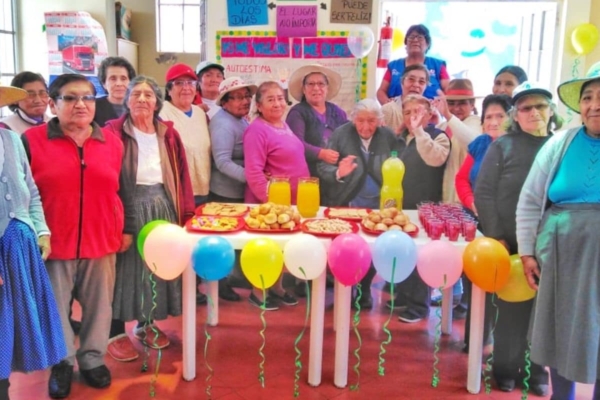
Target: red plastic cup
x: 469, y: 230
x: 436, y: 229
x: 453, y: 228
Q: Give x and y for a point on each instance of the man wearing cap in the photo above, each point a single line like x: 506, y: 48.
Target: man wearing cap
x: 457, y: 106
x: 210, y: 75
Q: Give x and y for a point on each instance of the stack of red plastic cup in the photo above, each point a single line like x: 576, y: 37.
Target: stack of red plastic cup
x: 448, y: 219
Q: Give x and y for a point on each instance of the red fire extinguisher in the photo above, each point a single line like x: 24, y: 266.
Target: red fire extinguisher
x: 385, y: 44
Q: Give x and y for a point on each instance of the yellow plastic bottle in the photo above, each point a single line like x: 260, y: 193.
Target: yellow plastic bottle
x: 392, y: 193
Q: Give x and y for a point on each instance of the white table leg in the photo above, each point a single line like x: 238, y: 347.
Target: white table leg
x: 213, y: 311
x: 447, y: 302
x: 342, y: 334
x: 189, y: 323
x: 476, y: 340
x: 317, y: 326
x: 336, y: 290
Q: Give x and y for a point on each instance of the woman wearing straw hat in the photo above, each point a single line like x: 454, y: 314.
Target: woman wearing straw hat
x: 228, y: 182
x: 31, y: 330
x: 315, y: 118
x: 557, y: 231
x: 30, y: 111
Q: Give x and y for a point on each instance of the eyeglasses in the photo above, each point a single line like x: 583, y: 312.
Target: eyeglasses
x: 69, y: 98
x: 43, y: 94
x: 527, y: 109
x: 241, y: 98
x: 413, y: 38
x: 313, y: 85
x: 185, y: 83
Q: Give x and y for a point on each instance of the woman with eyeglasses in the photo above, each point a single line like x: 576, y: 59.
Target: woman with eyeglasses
x: 30, y: 111
x: 77, y: 168
x: 501, y: 176
x: 418, y: 43
x: 157, y: 185
x: 315, y: 118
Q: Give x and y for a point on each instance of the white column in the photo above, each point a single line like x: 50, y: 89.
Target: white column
x: 317, y: 326
x: 342, y: 301
x: 476, y: 340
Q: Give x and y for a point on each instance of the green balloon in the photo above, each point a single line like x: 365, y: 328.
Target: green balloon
x: 145, y: 231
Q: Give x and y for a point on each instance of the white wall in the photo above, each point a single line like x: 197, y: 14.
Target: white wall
x: 217, y: 20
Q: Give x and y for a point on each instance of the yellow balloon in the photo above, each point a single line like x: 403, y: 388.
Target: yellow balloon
x: 584, y: 38
x: 262, y: 262
x: 517, y: 289
x: 397, y: 39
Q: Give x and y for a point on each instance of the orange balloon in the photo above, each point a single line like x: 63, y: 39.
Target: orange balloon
x: 486, y: 263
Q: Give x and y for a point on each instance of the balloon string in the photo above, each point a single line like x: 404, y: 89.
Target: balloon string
x: 490, y: 359
x: 297, y: 362
x: 525, y: 392
x: 208, y: 338
x: 435, y: 379
x: 146, y: 349
x: 261, y: 365
x: 381, y: 369
x: 574, y: 75
x: 155, y: 331
x: 358, y: 80
x: 355, y: 322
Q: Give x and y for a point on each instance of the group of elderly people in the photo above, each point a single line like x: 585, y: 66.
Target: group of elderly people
x: 105, y: 167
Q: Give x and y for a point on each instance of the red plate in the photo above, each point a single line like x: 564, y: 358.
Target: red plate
x: 200, y: 210
x: 256, y: 230
x: 191, y: 227
x: 327, y: 211
x: 353, y: 227
x: 377, y: 233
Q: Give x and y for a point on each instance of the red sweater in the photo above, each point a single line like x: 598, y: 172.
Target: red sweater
x: 463, y: 185
x: 79, y: 190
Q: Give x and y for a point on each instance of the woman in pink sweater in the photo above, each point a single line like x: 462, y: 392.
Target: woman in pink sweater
x: 270, y: 146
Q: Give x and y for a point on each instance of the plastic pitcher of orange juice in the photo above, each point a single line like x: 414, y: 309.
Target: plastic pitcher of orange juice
x: 392, y: 193
x: 308, y: 199
x: 280, y: 191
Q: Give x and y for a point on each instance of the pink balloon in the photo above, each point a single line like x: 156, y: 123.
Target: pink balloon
x: 168, y: 251
x: 439, y: 264
x: 349, y: 258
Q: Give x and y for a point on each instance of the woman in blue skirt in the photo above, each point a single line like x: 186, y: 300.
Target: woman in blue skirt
x: 30, y: 327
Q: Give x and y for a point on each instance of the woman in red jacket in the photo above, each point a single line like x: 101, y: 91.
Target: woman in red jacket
x: 493, y: 120
x: 156, y: 179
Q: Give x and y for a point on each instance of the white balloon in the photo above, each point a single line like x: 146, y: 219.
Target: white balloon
x: 305, y: 253
x: 361, y: 41
x: 168, y: 251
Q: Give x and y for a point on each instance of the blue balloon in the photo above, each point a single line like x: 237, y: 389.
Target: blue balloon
x: 394, y: 245
x: 213, y: 258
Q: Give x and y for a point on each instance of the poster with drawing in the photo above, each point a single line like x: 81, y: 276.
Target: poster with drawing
x: 76, y: 45
x: 258, y: 56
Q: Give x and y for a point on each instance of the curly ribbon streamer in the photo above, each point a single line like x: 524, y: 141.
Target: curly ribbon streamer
x: 297, y: 362
x: 208, y: 338
x: 435, y: 379
x: 261, y: 365
x: 488, y: 363
x: 381, y: 369
x: 155, y: 331
x: 355, y: 322
x: 358, y: 79
x: 574, y: 75
x: 146, y: 349
x: 525, y: 392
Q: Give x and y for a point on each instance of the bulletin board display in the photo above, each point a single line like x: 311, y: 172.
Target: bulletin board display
x: 258, y: 56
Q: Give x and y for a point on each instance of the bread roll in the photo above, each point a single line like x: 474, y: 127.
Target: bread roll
x: 375, y: 217
x: 263, y: 226
x: 274, y: 226
x: 387, y: 221
x: 409, y: 228
x: 283, y: 218
x: 386, y: 213
x: 264, y: 208
x: 270, y: 218
x: 395, y: 228
x: 254, y: 212
x: 400, y: 219
x: 288, y: 225
x: 253, y: 223
x: 381, y: 227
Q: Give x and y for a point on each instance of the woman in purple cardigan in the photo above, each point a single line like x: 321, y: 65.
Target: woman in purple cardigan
x: 314, y: 118
x: 271, y: 149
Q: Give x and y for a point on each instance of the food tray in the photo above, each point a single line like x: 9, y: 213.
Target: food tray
x: 327, y: 212
x: 274, y: 231
x: 243, y: 209
x: 377, y: 233
x: 353, y: 225
x: 191, y: 227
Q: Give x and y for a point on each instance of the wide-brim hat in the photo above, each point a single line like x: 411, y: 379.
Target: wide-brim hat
x: 529, y: 88
x: 202, y: 65
x: 295, y: 84
x: 569, y: 92
x: 460, y: 89
x: 10, y: 95
x: 234, y: 83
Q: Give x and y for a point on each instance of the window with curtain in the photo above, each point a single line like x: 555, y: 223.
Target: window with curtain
x: 8, y: 59
x: 180, y: 26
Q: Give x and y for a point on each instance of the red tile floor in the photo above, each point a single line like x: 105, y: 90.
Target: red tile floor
x: 233, y: 354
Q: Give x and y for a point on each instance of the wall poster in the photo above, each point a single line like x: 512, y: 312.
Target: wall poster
x: 258, y: 56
